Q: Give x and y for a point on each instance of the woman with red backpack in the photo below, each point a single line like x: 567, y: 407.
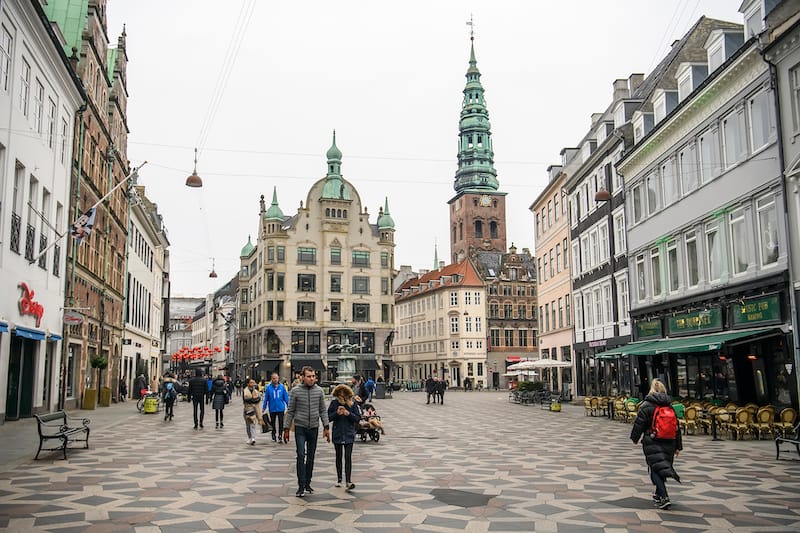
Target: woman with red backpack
x: 657, y: 425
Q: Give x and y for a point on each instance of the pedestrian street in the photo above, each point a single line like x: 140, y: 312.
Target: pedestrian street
x: 478, y: 463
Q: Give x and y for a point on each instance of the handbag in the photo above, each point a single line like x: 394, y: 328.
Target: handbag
x: 250, y: 412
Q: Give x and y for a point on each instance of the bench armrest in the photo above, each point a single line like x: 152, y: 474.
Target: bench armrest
x: 84, y: 421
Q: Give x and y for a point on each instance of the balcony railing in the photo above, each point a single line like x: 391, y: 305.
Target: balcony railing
x: 30, y: 237
x: 42, y: 246
x: 16, y: 224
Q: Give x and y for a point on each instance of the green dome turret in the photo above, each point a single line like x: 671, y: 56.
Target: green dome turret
x: 248, y: 248
x: 385, y: 220
x: 274, y: 211
x: 476, y: 172
x: 335, y: 188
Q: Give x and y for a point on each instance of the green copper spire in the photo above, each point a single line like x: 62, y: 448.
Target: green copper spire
x: 334, y: 186
x: 274, y: 211
x: 475, y: 155
x: 248, y: 248
x: 385, y: 220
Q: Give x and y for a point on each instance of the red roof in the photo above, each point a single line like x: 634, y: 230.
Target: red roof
x: 467, y: 277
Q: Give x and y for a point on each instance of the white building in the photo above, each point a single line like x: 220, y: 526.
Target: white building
x: 39, y: 97
x: 147, y: 276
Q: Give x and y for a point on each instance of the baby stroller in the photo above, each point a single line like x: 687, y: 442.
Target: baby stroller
x: 369, y: 427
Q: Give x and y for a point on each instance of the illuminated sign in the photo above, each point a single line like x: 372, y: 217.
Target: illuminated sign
x: 28, y: 306
x: 763, y: 310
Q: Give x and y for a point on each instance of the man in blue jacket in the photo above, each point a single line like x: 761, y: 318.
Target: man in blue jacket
x: 276, y: 400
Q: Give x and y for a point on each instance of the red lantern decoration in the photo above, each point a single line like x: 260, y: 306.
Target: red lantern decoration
x: 216, y: 349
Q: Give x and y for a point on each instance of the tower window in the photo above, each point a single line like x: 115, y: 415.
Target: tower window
x: 478, y: 229
x: 460, y: 230
x: 493, y: 230
x: 480, y: 141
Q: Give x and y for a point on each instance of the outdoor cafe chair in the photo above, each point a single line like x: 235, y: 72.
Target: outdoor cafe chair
x: 594, y: 402
x: 631, y: 410
x: 764, y: 422
x: 689, y: 420
x: 786, y: 421
x: 742, y: 423
x: 619, y: 409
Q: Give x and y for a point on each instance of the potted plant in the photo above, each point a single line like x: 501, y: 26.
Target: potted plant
x: 90, y: 394
x: 100, y: 363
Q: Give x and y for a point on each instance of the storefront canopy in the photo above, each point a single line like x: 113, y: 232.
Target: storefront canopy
x: 693, y: 344
x: 28, y: 333
x: 367, y: 362
x: 3, y: 327
x: 314, y: 362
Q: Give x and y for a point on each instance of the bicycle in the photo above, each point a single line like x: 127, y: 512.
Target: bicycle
x: 143, y: 397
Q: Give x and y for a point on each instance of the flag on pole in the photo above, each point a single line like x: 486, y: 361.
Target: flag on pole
x: 83, y: 226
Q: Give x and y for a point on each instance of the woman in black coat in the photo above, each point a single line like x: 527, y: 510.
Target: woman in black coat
x: 219, y: 393
x: 344, y: 414
x: 659, y: 453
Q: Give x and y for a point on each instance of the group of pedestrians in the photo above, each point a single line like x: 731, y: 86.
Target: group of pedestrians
x: 435, y: 387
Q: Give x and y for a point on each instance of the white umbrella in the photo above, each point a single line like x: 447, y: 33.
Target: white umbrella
x: 521, y: 373
x: 549, y: 363
x: 522, y: 365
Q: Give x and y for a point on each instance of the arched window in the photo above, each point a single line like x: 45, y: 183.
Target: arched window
x: 327, y: 211
x: 460, y: 230
x: 478, y: 229
x: 493, y: 230
x: 339, y: 213
x: 344, y: 213
x: 454, y: 233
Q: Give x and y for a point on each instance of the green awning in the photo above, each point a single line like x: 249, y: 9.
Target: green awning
x: 693, y: 344
x: 704, y: 343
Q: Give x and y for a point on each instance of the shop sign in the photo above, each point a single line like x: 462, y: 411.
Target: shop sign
x: 597, y: 344
x: 648, y: 329
x: 763, y: 310
x: 696, y: 321
x: 73, y: 318
x: 28, y: 306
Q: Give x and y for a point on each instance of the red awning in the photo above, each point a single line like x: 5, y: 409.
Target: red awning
x: 513, y: 359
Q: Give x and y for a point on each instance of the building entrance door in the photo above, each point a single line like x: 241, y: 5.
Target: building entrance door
x: 19, y: 395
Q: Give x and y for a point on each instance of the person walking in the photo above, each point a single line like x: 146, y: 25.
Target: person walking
x: 441, y: 386
x: 238, y: 385
x: 369, y: 386
x: 276, y: 400
x: 657, y: 426
x: 430, y: 387
x: 169, y: 391
x: 123, y: 388
x: 251, y: 399
x: 219, y: 397
x: 197, y: 392
x: 344, y: 415
x: 306, y: 409
x: 209, y: 388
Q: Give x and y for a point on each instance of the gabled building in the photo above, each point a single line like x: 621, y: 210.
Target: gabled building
x: 707, y: 240
x: 318, y: 280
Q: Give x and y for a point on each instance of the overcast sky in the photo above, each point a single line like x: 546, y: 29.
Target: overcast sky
x: 389, y: 78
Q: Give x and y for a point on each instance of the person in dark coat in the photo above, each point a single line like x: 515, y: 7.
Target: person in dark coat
x: 430, y: 389
x: 441, y: 386
x: 659, y: 453
x: 219, y: 397
x: 197, y: 392
x: 344, y: 414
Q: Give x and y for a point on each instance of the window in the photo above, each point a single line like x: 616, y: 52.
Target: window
x: 307, y: 256
x: 521, y: 311
x: 478, y: 326
x: 360, y: 258
x: 654, y: 200
x: 566, y: 255
x: 298, y: 342
x: 544, y: 270
x: 716, y: 57
x: 5, y: 57
x: 692, y: 270
x: 279, y: 281
x: 281, y: 254
x: 508, y: 311
x: 494, y: 338
x: 687, y: 166
x: 336, y: 256
x: 270, y: 254
x: 714, y: 252
x: 552, y: 264
x: 567, y: 310
x: 547, y: 317
x: 578, y: 311
x: 619, y: 233
x: 360, y: 312
x: 453, y: 324
x: 555, y: 207
x: 622, y: 296
x: 641, y: 285
x: 586, y: 261
x: 753, y: 22
x: 453, y: 298
x: 732, y: 137
x: 594, y: 255
x: 385, y: 313
x: 477, y: 298
x: 560, y: 313
x: 24, y: 87
x: 576, y: 263
x: 306, y: 282
x: 336, y: 283
x: 637, y: 202
x: 794, y: 80
x: 454, y: 345
x: 279, y: 310
x: 599, y: 319
x: 549, y: 213
x: 739, y: 253
x: 384, y: 259
x: 523, y: 337
x: 762, y: 123
x: 305, y: 310
x: 336, y: 311
x: 608, y: 303
x: 603, y: 250
x: 51, y: 123
x: 535, y: 224
x: 493, y: 230
x: 468, y: 324
x: 558, y: 257
x: 655, y: 271
x: 710, y: 165
x: 672, y: 266
x: 467, y: 298
x: 360, y: 285
x: 768, y: 230
x: 38, y: 105
x: 244, y: 296
x: 669, y: 182
x: 508, y: 337
x: 64, y: 128
x: 384, y: 286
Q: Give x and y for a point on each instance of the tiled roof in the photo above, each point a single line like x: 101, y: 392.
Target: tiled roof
x: 467, y: 277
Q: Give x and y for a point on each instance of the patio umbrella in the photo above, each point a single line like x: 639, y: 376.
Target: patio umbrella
x: 521, y: 373
x: 522, y: 365
x: 549, y: 363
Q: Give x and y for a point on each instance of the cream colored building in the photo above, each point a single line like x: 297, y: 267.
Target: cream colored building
x: 318, y: 281
x: 551, y: 227
x: 441, y: 327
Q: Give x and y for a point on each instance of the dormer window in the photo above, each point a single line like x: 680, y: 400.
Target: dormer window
x: 690, y: 76
x: 720, y: 45
x: 663, y: 103
x: 642, y: 124
x: 753, y: 18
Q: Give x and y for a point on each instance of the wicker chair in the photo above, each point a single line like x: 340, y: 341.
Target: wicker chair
x: 742, y: 423
x: 689, y: 420
x: 764, y: 422
x: 786, y: 421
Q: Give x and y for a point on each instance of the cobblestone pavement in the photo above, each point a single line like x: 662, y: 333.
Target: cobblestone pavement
x: 475, y: 464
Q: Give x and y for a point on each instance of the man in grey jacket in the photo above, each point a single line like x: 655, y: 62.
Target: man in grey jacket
x: 306, y: 409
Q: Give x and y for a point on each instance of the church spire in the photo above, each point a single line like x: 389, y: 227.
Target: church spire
x: 476, y: 171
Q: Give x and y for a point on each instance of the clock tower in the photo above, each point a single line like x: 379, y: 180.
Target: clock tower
x: 478, y: 210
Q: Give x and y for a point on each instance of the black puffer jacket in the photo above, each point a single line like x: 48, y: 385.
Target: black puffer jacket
x: 659, y: 454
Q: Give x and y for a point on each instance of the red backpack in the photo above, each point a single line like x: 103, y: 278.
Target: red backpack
x: 665, y: 423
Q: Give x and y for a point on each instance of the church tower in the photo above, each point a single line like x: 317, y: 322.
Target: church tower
x: 478, y: 210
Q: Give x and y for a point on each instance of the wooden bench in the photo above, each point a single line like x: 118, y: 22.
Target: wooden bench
x: 791, y: 438
x: 54, y: 426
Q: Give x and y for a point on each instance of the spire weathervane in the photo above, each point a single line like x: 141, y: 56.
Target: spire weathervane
x: 471, y: 25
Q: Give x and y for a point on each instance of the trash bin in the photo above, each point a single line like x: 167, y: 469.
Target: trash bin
x: 380, y: 390
x: 150, y: 405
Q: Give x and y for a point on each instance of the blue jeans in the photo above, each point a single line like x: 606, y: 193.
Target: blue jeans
x: 661, y: 485
x: 306, y: 443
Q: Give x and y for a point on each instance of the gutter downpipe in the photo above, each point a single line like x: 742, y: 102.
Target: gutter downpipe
x: 773, y: 81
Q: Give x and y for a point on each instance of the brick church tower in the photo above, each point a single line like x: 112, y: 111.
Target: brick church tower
x: 478, y: 210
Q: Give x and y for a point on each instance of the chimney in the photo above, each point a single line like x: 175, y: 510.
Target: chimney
x: 620, y: 90
x: 596, y: 118
x: 634, y: 81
